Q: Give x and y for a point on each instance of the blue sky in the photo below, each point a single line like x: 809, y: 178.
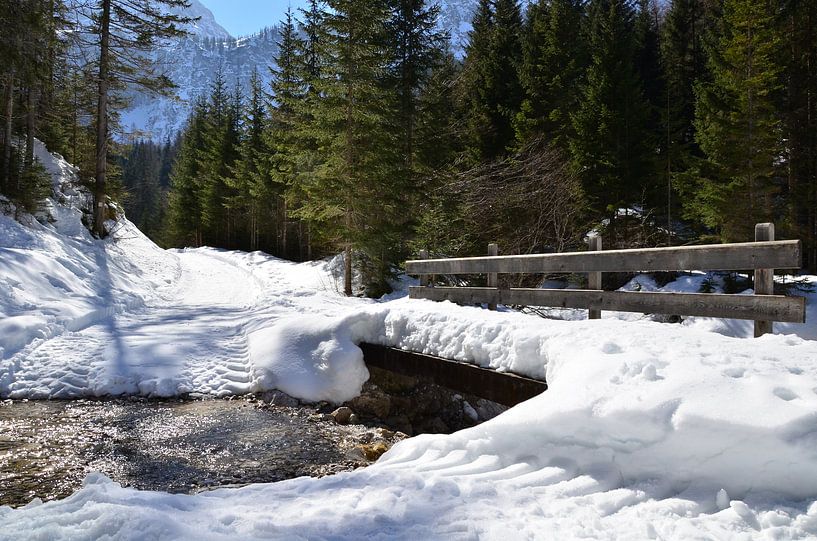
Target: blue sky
x: 242, y: 17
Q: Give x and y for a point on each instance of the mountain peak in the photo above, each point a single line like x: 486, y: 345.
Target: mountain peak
x: 206, y: 25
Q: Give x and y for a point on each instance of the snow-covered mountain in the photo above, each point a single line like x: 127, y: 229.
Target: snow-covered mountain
x: 206, y: 25
x: 193, y: 62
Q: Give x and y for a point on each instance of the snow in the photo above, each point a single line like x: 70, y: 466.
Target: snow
x: 648, y: 430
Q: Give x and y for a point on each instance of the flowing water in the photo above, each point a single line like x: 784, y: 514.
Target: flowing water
x: 47, y: 447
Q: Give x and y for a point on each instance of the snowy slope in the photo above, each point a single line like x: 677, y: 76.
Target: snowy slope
x: 648, y: 430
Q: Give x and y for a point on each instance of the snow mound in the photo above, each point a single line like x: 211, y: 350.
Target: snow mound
x: 296, y: 357
x: 643, y: 399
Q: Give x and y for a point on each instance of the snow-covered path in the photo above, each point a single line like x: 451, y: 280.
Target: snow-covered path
x: 182, y: 326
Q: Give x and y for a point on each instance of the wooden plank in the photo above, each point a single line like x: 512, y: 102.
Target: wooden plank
x: 764, y: 278
x: 424, y: 280
x: 493, y: 278
x: 784, y: 254
x: 501, y: 387
x: 770, y: 307
x: 594, y: 278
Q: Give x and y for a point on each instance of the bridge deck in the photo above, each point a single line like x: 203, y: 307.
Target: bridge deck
x: 501, y: 387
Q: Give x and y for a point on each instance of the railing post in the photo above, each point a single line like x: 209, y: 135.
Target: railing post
x: 764, y: 278
x: 424, y: 277
x: 493, y: 278
x: 594, y: 278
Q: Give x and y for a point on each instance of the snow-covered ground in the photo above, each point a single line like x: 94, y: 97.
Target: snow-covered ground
x: 648, y: 431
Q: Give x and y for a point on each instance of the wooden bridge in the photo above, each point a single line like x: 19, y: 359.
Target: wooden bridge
x: 762, y: 256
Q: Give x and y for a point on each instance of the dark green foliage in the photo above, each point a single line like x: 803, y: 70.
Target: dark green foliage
x: 491, y: 85
x: 184, y: 218
x: 611, y: 145
x: 798, y: 24
x: 146, y: 185
x: 737, y: 125
x: 29, y: 183
x: 253, y: 203
x: 553, y: 66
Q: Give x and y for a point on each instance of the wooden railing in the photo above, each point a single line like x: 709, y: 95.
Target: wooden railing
x: 763, y: 256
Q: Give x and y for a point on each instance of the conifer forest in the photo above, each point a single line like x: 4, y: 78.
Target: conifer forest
x: 655, y: 122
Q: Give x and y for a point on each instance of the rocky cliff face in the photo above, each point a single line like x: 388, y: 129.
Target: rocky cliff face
x: 194, y: 61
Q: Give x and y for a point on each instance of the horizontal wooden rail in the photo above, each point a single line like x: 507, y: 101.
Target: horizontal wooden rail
x: 771, y: 307
x: 501, y: 387
x: 784, y: 254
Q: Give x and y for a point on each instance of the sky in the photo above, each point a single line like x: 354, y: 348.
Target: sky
x: 242, y: 17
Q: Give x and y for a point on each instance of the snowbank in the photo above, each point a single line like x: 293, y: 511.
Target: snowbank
x: 646, y: 399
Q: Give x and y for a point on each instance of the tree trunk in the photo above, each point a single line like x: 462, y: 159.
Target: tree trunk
x: 31, y: 124
x: 347, y: 270
x: 102, y: 120
x: 308, y: 242
x: 7, y: 130
x: 284, y: 249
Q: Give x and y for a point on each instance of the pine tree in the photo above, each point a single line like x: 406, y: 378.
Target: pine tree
x: 122, y: 33
x: 737, y: 124
x: 553, y: 64
x: 287, y: 137
x: 491, y: 79
x: 416, y: 48
x: 799, y: 29
x: 184, y: 212
x: 683, y: 63
x: 30, y: 47
x: 439, y: 141
x: 610, y: 147
x: 217, y: 157
x: 351, y: 195
x: 249, y: 178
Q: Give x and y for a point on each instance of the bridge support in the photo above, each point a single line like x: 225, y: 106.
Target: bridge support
x: 501, y: 387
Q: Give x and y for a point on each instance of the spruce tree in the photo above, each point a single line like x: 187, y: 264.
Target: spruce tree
x: 287, y: 136
x: 249, y: 178
x: 416, y: 48
x: 221, y: 141
x: 184, y: 212
x: 351, y: 194
x: 122, y: 33
x: 553, y: 64
x: 737, y: 123
x: 798, y: 26
x: 31, y: 47
x: 683, y: 63
x: 610, y: 146
x: 491, y: 80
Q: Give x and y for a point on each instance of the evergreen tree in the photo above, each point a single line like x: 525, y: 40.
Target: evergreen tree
x: 30, y: 47
x: 737, y: 124
x: 648, y: 57
x: 140, y: 177
x: 122, y: 33
x: 352, y: 195
x: 799, y: 30
x: 439, y: 117
x: 289, y: 138
x: 416, y: 48
x: 610, y: 146
x: 217, y: 157
x: 683, y: 62
x: 184, y: 212
x: 553, y: 64
x: 491, y: 79
x: 250, y: 177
